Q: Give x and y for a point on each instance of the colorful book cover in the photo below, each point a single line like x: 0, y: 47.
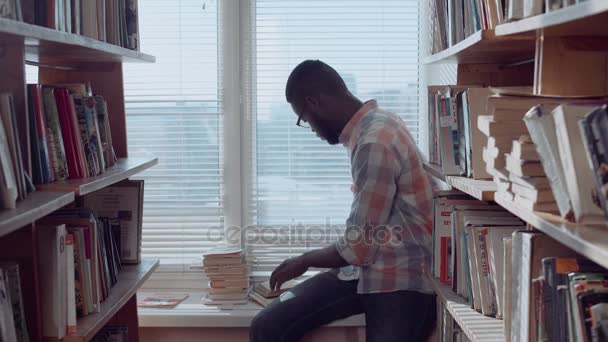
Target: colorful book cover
x: 90, y: 151
x: 93, y: 128
x: 48, y: 174
x: 55, y: 143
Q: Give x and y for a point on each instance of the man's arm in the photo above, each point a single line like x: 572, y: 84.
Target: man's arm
x: 327, y: 257
x: 374, y: 175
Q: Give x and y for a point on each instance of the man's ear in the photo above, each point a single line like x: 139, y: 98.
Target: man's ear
x: 312, y: 102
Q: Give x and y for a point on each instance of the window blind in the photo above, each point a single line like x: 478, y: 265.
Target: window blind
x: 174, y: 113
x: 300, y: 193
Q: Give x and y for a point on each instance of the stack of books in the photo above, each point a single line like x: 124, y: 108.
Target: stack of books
x: 528, y: 186
x: 226, y: 268
x: 263, y: 295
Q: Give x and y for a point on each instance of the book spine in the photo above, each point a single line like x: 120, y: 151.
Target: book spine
x: 71, y: 284
x: 56, y: 140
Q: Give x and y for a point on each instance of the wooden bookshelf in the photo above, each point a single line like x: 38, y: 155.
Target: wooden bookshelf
x: 485, y: 47
x: 47, y: 46
x: 435, y: 171
x: 589, y: 18
x: 34, y: 207
x: 123, y: 169
x: 129, y: 280
x: 590, y: 241
x: 477, y: 327
x: 482, y: 190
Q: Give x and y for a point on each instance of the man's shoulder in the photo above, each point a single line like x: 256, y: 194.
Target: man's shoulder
x: 380, y: 126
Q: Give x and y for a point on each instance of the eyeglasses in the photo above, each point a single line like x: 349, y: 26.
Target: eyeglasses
x: 302, y: 123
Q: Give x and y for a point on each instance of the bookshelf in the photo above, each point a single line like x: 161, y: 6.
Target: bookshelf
x: 34, y: 207
x: 123, y: 169
x: 568, y: 50
x: 590, y: 241
x: 484, y: 47
x: 482, y: 190
x: 583, y: 19
x: 68, y: 58
x: 122, y: 297
x: 44, y: 45
x: 477, y: 327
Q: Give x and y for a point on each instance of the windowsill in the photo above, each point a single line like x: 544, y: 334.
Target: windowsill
x: 193, y: 313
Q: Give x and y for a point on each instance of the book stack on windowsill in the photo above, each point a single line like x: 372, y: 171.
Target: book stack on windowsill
x: 226, y: 268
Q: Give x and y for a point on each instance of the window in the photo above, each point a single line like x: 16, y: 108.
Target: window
x: 291, y: 190
x: 174, y: 113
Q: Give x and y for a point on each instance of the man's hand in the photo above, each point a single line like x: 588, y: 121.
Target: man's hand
x: 287, y: 270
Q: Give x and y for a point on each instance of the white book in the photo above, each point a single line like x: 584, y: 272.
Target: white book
x: 8, y: 183
x: 539, y: 196
x: 479, y: 246
x: 71, y: 284
x: 541, y: 125
x: 462, y: 218
x: 507, y: 284
x: 496, y: 253
x: 51, y: 254
x: 473, y: 268
x: 536, y: 183
x: 532, y: 7
x: 476, y: 99
x: 7, y: 323
x: 579, y: 176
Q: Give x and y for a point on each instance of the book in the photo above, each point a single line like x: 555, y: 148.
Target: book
x: 40, y: 158
x: 7, y: 324
x: 8, y: 116
x: 123, y: 202
x: 476, y: 99
x: 496, y: 253
x: 13, y: 286
x: 593, y: 128
x: 535, y: 183
x: 579, y: 177
x: 523, y: 168
x: 524, y: 150
x: 258, y: 298
x: 163, y: 300
x: 51, y: 252
x: 54, y: 136
x: 542, y: 196
x: 508, y: 281
x: 528, y: 251
x: 8, y: 182
x: 105, y: 134
x: 555, y: 271
x: 71, y: 284
x: 541, y: 125
x: 264, y: 290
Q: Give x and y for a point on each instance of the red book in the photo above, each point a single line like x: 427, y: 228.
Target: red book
x: 69, y: 139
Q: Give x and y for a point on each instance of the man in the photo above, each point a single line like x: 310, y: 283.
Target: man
x: 378, y: 265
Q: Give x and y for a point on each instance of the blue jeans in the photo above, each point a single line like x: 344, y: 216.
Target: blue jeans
x: 392, y: 316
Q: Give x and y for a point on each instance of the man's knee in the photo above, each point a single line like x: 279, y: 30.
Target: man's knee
x: 262, y: 328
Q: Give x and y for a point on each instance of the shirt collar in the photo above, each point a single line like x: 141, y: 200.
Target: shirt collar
x: 353, y: 123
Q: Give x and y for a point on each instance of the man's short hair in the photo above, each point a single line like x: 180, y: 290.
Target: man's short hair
x: 312, y: 78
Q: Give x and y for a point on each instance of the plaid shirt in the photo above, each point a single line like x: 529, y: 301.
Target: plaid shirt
x: 389, y: 229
